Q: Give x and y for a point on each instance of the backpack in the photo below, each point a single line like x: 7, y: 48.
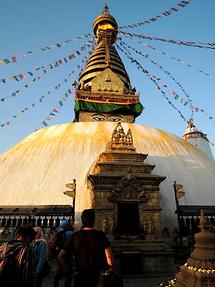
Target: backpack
x: 18, y: 266
x: 57, y: 243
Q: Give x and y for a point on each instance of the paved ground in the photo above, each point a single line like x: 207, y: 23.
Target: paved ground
x: 134, y: 282
x: 145, y: 282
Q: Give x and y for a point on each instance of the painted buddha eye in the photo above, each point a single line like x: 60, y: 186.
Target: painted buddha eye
x: 98, y: 118
x: 116, y: 120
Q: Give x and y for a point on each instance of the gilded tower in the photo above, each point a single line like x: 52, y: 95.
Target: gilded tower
x: 104, y: 92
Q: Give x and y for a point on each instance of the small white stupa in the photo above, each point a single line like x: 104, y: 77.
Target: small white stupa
x: 197, y: 138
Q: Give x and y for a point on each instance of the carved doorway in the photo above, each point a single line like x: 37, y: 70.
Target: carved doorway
x: 128, y: 218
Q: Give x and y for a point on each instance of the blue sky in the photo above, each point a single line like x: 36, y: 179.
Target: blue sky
x: 27, y: 25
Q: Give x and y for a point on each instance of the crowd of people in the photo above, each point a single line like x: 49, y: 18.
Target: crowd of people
x: 83, y: 257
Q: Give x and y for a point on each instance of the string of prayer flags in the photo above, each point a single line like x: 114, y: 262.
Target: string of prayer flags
x: 40, y: 100
x: 140, y: 67
x: 177, y: 42
x: 56, y: 109
x: 176, y: 97
x: 169, y: 12
x: 60, y: 44
x: 146, y: 56
x: 7, y: 61
x: 51, y: 66
x: 181, y: 61
x: 29, y: 83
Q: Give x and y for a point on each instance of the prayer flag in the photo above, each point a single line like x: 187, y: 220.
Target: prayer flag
x: 44, y: 123
x: 6, y: 61
x: 13, y: 59
x: 22, y: 55
x: 21, y: 76
x: 15, y: 78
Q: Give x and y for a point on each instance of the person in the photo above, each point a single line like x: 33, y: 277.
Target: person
x: 61, y: 240
x: 92, y: 252
x: 41, y: 248
x: 18, y: 261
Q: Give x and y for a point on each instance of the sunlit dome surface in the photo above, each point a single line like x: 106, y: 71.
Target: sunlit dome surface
x: 35, y: 171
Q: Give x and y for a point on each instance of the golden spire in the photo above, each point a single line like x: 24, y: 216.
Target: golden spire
x: 105, y: 55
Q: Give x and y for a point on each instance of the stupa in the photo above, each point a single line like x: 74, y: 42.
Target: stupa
x: 197, y: 138
x: 34, y: 172
x: 199, y: 270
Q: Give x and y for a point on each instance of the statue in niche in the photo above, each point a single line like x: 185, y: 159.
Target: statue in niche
x: 142, y: 195
x: 151, y: 227
x: 145, y: 227
x: 105, y: 226
x: 112, y: 225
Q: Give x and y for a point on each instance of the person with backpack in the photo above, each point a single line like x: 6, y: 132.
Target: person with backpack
x: 41, y: 250
x: 18, y: 267
x: 92, y: 252
x: 59, y: 242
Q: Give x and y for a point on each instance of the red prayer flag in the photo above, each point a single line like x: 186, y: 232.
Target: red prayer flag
x: 21, y: 76
x: 13, y: 59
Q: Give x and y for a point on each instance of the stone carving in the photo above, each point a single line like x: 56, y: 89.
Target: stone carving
x: 129, y: 188
x: 120, y: 140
